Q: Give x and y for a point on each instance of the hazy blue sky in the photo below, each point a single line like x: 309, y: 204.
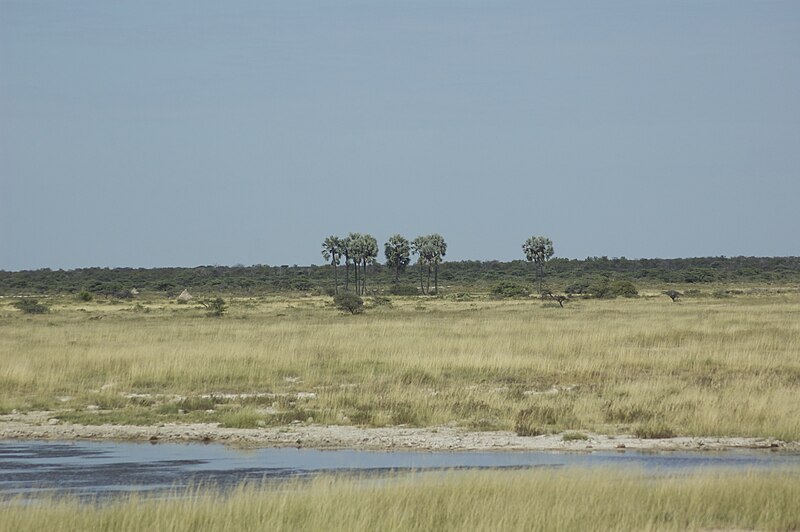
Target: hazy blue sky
x: 193, y: 132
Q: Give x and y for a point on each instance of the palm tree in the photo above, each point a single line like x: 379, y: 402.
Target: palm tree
x: 538, y: 249
x: 332, y: 251
x: 397, y: 251
x: 354, y: 245
x: 417, y: 248
x: 438, y: 250
x: 369, y: 255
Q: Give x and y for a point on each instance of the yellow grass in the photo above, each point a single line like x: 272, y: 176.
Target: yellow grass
x: 571, y: 499
x: 727, y: 367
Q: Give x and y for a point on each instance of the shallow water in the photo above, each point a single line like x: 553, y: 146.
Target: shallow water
x: 96, y: 470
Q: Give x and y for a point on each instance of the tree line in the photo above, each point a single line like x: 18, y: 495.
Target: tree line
x: 361, y: 250
x: 571, y: 275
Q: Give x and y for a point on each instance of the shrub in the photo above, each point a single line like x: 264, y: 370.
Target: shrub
x: 403, y: 290
x: 381, y: 301
x: 605, y: 289
x: 574, y: 436
x: 509, y: 289
x: 84, y: 295
x: 122, y: 294
x: 31, y: 306
x: 349, y: 303
x: 624, y: 288
x: 580, y: 287
x: 215, y: 307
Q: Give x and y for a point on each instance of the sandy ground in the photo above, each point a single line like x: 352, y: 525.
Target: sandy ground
x: 39, y: 425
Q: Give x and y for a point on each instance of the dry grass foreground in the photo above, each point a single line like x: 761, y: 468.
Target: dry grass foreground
x: 700, y: 367
x: 571, y: 499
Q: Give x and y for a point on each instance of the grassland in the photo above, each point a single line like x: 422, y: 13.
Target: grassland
x: 521, y: 500
x: 704, y: 366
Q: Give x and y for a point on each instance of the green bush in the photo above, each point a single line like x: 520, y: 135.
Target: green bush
x: 216, y: 307
x: 510, y: 289
x: 349, y: 303
x: 31, y: 306
x: 580, y: 287
x: 84, y: 295
x: 381, y: 301
x: 403, y: 290
x: 624, y: 289
x: 605, y: 289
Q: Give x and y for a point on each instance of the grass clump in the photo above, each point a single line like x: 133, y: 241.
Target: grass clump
x: 242, y: 418
x: 574, y: 436
x: 654, y: 430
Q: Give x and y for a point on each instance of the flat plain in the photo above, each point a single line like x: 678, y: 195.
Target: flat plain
x: 704, y: 366
x: 644, y: 368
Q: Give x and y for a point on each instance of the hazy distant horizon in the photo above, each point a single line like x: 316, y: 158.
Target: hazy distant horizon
x: 153, y: 134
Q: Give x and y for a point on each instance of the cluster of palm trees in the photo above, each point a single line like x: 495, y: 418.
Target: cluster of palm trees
x: 362, y: 250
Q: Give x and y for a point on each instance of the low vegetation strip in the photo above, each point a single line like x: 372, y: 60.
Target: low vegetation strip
x: 571, y: 499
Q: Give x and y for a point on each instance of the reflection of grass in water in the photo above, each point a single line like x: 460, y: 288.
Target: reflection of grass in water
x: 566, y: 499
x: 702, y: 367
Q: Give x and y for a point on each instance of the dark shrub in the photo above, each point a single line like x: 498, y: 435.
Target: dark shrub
x: 31, y: 306
x: 403, y: 290
x: 580, y: 287
x: 624, y: 289
x: 381, y: 301
x: 510, y: 289
x: 122, y: 294
x: 349, y: 303
x: 83, y: 295
x: 605, y: 289
x: 215, y: 307
x: 302, y: 285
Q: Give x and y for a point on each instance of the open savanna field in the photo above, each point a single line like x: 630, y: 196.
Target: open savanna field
x: 704, y: 366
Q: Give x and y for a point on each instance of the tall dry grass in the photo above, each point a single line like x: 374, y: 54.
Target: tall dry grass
x: 571, y: 499
x: 698, y: 367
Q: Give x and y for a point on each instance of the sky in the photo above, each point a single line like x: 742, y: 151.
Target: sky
x: 198, y: 132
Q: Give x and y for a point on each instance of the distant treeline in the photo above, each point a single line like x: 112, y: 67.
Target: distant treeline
x: 562, y: 274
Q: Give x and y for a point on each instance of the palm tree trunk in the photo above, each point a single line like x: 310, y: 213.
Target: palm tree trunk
x: 540, y: 272
x: 335, y: 278
x: 364, y: 280
x: 346, y: 272
x: 421, y: 286
x: 355, y: 275
x: 436, y: 279
x: 429, y: 279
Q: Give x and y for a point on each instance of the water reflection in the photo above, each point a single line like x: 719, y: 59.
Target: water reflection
x: 101, y: 469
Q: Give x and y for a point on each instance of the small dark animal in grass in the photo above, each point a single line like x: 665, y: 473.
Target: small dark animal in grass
x: 673, y: 295
x: 558, y: 297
